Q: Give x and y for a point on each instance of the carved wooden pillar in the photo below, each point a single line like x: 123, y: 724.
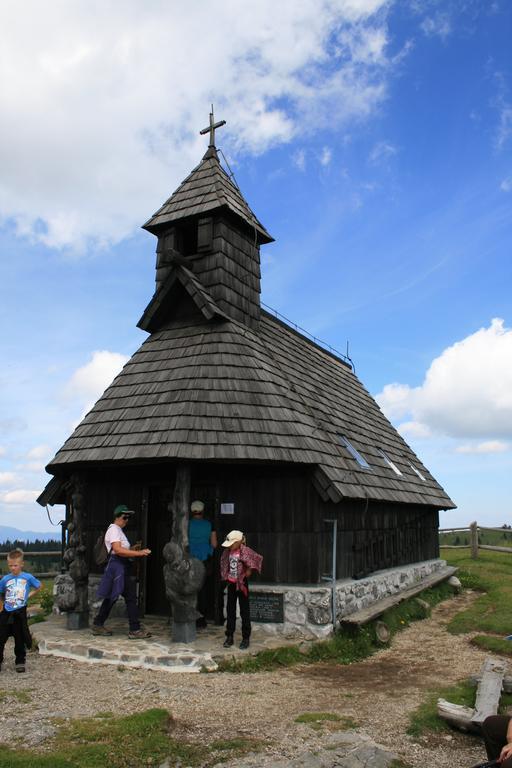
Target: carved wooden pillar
x: 76, y: 601
x: 183, y: 575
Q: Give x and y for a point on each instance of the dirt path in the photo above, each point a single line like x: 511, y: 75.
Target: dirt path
x: 377, y: 694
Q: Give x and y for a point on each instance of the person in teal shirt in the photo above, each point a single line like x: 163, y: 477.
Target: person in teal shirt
x: 202, y: 540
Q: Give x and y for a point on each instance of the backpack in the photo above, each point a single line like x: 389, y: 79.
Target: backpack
x: 100, y: 552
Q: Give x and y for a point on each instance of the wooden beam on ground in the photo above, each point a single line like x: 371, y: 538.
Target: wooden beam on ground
x: 377, y: 609
x: 507, y: 682
x: 458, y: 716
x: 489, y: 689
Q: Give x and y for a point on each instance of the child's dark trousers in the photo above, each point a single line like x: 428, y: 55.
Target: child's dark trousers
x: 243, y: 600
x: 12, y: 623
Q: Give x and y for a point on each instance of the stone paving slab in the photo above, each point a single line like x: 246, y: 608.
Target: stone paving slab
x: 157, y: 652
x: 345, y: 749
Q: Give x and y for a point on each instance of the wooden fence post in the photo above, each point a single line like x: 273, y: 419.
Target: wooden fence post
x: 473, y: 530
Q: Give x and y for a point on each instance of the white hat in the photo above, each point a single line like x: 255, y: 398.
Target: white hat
x: 197, y: 506
x: 232, y: 537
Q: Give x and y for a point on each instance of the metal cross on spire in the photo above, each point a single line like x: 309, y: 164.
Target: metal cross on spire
x: 211, y: 128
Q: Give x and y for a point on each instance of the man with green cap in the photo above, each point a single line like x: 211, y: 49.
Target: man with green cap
x: 116, y: 579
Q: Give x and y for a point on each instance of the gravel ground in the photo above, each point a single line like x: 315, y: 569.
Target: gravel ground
x: 377, y: 694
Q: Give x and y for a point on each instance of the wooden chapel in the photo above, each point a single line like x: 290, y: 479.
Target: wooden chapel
x: 273, y: 432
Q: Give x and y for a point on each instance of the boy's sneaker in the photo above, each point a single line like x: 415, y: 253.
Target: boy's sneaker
x: 139, y: 634
x: 228, y: 642
x: 101, y: 630
x: 20, y: 668
x: 244, y: 644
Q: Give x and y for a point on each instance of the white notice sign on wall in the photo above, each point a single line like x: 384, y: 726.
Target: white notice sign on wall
x: 227, y: 508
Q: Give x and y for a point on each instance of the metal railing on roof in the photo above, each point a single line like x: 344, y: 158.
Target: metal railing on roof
x: 309, y: 335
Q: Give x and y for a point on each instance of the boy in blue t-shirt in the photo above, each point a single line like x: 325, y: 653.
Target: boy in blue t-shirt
x: 15, y: 590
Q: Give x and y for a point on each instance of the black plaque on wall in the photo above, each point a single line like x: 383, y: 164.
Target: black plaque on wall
x: 266, y: 607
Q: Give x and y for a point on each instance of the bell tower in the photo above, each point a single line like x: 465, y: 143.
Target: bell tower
x: 206, y: 229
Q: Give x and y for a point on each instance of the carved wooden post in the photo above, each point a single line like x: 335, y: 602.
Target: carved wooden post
x: 76, y: 602
x: 473, y: 530
x: 183, y: 575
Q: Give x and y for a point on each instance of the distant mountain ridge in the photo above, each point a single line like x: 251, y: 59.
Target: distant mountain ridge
x: 6, y: 532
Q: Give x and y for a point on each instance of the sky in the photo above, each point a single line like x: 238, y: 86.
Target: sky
x: 372, y: 138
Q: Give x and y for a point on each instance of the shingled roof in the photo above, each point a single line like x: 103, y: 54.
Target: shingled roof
x: 202, y: 389
x: 206, y: 189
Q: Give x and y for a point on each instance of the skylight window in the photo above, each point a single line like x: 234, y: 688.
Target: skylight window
x: 389, y: 462
x: 418, y: 472
x: 354, y: 453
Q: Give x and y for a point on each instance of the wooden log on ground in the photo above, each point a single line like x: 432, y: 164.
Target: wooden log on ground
x: 458, y: 716
x: 507, y: 682
x: 489, y: 689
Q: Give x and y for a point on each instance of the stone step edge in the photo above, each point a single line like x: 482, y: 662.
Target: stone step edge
x: 196, y: 666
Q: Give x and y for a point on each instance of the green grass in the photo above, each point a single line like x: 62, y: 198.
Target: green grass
x: 22, y: 697
x: 344, y: 647
x: 491, y: 613
x: 133, y: 741
x: 425, y: 718
x: 317, y: 720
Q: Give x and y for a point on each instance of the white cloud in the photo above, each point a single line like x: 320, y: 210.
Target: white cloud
x: 438, y: 25
x: 39, y: 452
x: 326, y: 156
x: 3, y: 451
x: 414, y: 430
x: 505, y: 126
x: 101, y: 109
x: 7, y: 478
x: 467, y: 391
x: 90, y: 381
x: 489, y: 446
x: 299, y: 159
x: 19, y: 497
x: 381, y: 153
x: 506, y: 184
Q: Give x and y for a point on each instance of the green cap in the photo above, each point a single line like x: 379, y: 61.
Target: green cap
x: 122, y: 509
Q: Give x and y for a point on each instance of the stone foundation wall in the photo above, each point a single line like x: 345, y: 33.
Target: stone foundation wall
x: 308, y: 610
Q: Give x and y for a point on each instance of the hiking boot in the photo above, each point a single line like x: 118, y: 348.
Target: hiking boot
x: 139, y: 634
x: 20, y: 668
x: 98, y: 629
x: 244, y: 644
x: 228, y: 642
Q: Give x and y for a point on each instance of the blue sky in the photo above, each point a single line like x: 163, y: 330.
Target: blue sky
x: 373, y: 140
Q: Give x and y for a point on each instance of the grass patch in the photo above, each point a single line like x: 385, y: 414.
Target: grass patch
x: 134, y: 741
x: 317, y: 720
x: 230, y: 748
x: 425, y: 718
x: 490, y: 574
x: 22, y: 697
x: 494, y: 644
x: 345, y: 647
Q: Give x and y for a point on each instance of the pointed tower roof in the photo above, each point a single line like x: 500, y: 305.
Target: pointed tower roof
x: 206, y: 189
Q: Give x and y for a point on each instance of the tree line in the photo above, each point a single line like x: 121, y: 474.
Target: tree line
x: 38, y: 545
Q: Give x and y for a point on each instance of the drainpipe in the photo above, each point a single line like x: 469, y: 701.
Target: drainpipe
x: 332, y: 577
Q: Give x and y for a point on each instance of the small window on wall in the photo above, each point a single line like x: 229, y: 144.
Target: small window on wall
x: 354, y: 452
x: 414, y: 469
x: 390, y: 464
x: 205, y: 234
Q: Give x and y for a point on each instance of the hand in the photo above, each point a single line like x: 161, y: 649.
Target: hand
x: 248, y: 572
x: 145, y: 552
x: 505, y: 752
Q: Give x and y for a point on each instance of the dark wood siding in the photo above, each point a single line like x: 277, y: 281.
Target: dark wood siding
x: 281, y: 514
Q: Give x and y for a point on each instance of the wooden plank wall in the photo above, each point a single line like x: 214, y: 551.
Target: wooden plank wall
x: 281, y: 514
